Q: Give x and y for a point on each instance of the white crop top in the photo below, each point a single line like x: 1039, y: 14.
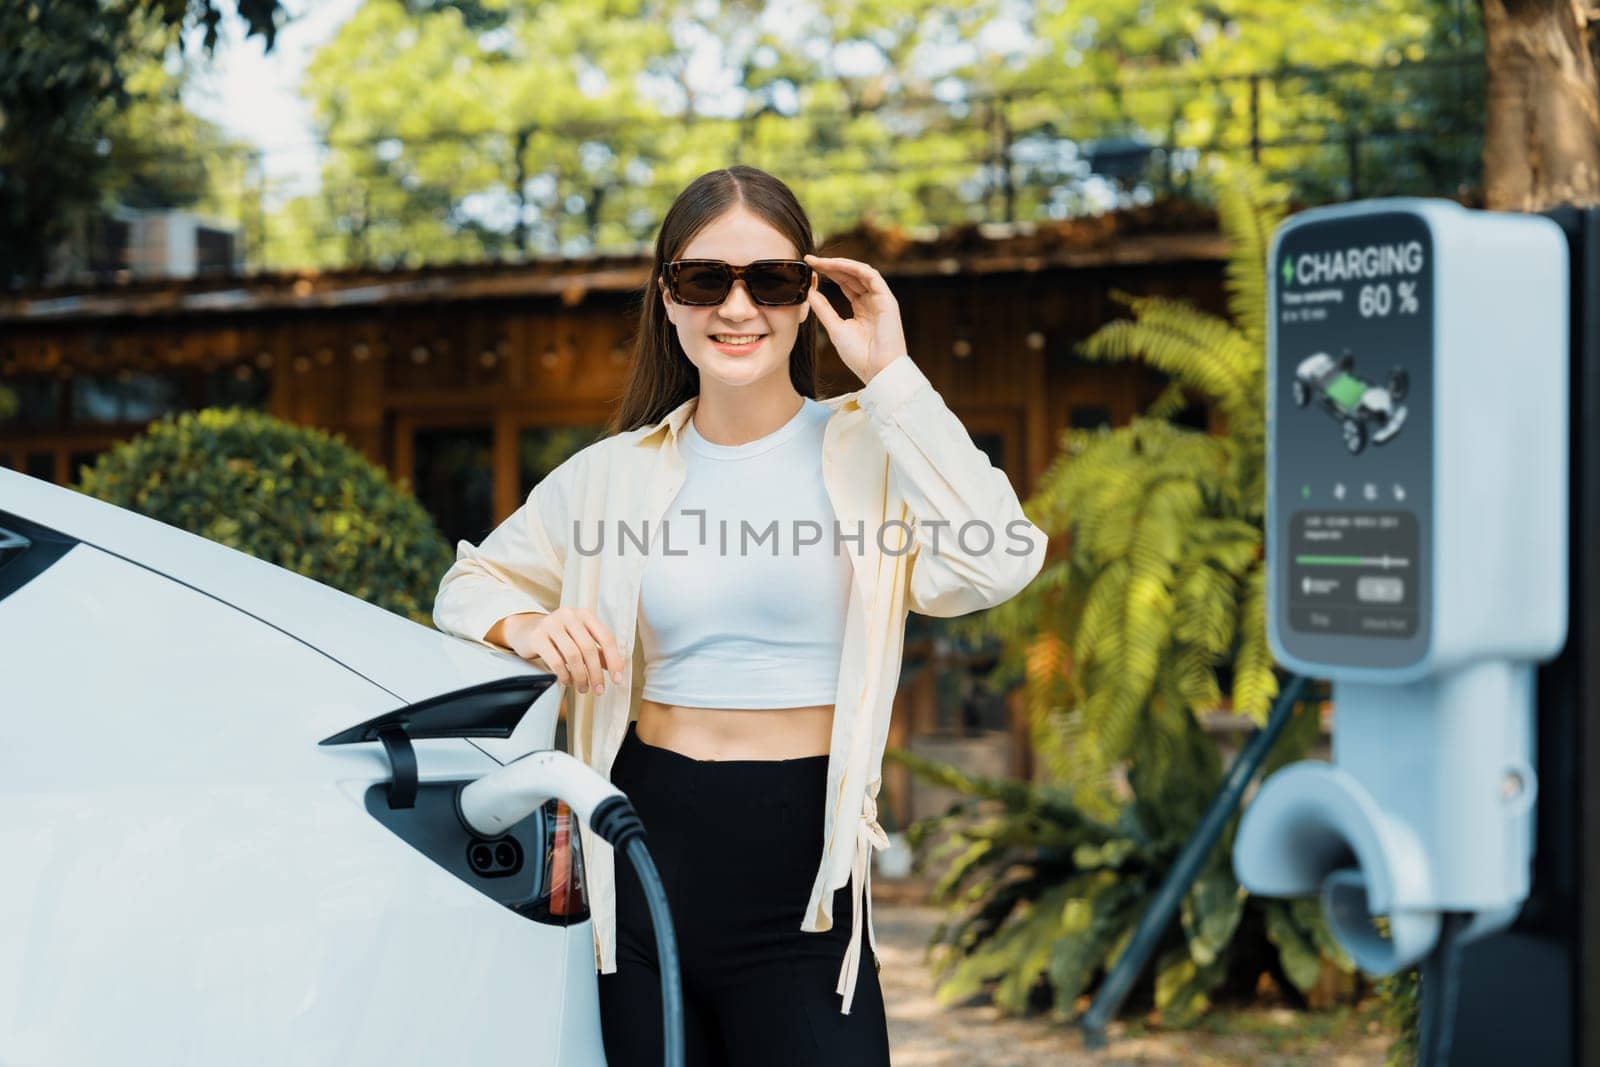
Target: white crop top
x: 735, y: 611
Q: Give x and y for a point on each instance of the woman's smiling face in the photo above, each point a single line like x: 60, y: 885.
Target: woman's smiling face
x: 738, y: 236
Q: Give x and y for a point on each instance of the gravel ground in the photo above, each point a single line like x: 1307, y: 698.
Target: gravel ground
x: 924, y: 1034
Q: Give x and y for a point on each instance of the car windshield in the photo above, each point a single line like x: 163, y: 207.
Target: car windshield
x: 12, y: 545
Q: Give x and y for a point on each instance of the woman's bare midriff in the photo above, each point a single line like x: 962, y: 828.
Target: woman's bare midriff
x: 737, y: 733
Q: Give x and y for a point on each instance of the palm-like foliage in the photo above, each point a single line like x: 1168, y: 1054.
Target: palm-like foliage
x: 1043, y: 899
x: 1121, y: 645
x: 1167, y: 582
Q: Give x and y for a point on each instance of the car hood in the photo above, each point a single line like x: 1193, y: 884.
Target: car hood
x: 410, y: 660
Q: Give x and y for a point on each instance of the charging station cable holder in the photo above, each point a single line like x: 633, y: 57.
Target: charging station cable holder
x: 1417, y: 427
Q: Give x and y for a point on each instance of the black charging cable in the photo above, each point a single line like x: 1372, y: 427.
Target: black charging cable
x: 615, y: 821
x: 1440, y: 974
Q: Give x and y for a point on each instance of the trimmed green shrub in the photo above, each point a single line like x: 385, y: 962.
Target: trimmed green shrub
x: 292, y: 495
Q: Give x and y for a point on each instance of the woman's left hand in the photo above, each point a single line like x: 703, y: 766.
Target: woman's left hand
x: 873, y: 336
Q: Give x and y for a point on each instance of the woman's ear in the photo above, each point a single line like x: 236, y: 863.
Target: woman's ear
x: 666, y: 300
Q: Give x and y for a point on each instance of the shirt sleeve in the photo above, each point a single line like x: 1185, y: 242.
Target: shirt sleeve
x: 517, y: 568
x: 973, y: 547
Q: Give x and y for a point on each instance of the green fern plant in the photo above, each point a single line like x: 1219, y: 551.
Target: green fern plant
x: 1122, y: 645
x: 1167, y: 581
x: 1163, y: 588
x: 1043, y: 898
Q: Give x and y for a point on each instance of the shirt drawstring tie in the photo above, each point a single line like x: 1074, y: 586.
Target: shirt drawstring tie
x: 871, y: 837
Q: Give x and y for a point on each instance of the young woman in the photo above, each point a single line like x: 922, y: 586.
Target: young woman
x: 764, y: 546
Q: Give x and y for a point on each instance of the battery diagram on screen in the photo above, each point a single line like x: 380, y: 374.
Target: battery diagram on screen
x: 1366, y: 412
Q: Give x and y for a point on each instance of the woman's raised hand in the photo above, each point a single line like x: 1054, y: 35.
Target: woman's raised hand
x: 873, y: 336
x: 572, y: 642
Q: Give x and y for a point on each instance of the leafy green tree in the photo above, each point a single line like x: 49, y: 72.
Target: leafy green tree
x: 551, y: 129
x: 472, y: 129
x: 1121, y: 644
x: 59, y: 61
x: 579, y: 130
x: 512, y: 105
x: 261, y: 18
x: 159, y: 154
x: 87, y: 115
x: 1125, y: 55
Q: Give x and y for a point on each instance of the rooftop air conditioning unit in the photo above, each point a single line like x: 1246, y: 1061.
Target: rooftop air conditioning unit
x: 180, y: 244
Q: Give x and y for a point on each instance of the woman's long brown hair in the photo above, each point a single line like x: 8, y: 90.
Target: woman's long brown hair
x: 661, y: 376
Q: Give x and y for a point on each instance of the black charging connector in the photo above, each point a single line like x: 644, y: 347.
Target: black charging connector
x: 616, y: 822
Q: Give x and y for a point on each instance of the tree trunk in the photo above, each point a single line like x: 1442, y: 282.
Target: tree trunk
x: 1541, y: 143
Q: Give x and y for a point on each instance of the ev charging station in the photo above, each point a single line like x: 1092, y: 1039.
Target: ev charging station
x: 1422, y: 365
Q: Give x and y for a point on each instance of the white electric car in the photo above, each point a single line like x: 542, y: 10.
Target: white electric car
x: 228, y: 831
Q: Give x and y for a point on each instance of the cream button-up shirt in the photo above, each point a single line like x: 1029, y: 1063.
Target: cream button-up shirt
x: 929, y: 524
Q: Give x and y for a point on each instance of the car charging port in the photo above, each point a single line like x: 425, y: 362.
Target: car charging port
x: 497, y: 858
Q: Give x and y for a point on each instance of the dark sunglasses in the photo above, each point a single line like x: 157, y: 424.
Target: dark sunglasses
x: 774, y: 282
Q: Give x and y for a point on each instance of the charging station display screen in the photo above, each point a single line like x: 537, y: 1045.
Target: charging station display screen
x: 1351, y: 432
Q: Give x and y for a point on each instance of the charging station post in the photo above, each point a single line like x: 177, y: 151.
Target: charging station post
x: 1530, y: 994
x: 1417, y: 556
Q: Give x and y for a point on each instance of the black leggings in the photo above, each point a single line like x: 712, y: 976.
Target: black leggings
x: 737, y: 843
